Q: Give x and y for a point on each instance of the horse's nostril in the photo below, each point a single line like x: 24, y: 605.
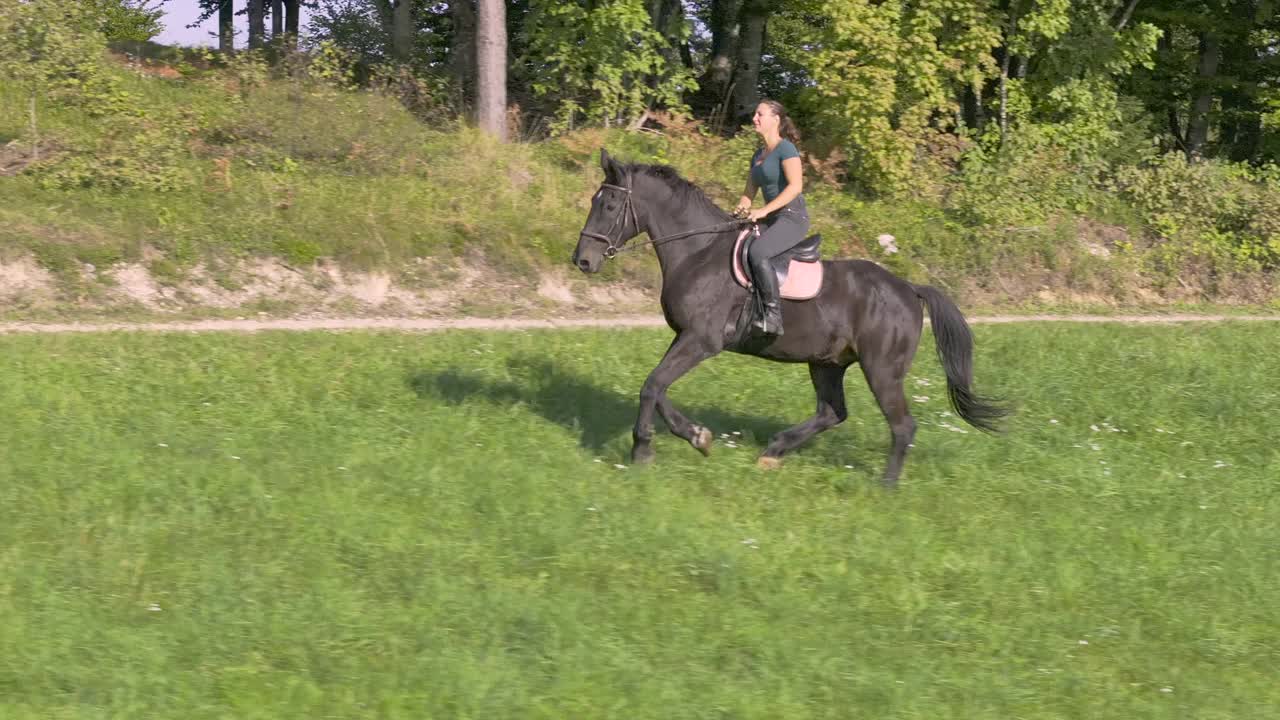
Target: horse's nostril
x: 584, y: 264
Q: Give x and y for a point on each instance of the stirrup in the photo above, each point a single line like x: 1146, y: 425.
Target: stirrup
x: 770, y: 321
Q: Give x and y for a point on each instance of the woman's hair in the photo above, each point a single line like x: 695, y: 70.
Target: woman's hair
x: 786, y: 128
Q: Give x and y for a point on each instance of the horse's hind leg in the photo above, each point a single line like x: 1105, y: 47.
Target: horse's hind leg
x: 828, y: 383
x: 885, y: 377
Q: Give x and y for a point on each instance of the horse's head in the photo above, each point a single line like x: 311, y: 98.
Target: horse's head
x: 612, y: 220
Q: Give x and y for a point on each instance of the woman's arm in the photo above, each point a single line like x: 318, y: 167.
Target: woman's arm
x: 748, y: 195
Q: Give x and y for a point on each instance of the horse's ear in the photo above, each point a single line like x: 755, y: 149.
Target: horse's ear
x: 608, y: 165
x: 612, y: 170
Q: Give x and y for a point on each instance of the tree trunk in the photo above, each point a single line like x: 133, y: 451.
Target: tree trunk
x: 34, y: 128
x: 713, y: 98
x: 974, y: 112
x: 257, y: 24
x: 226, y: 27
x: 668, y: 19
x: 1006, y: 60
x: 1198, y: 122
x: 463, y: 62
x: 277, y: 19
x: 1125, y: 15
x: 491, y: 66
x: 1164, y: 49
x: 402, y: 31
x: 291, y: 13
x: 1004, y: 94
x: 746, y: 78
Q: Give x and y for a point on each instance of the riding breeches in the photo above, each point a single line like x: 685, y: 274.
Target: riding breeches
x: 781, y: 231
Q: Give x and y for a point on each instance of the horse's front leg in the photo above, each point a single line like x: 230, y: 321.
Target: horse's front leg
x: 685, y: 353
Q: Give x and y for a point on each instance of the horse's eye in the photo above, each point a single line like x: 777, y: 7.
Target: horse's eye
x: 608, y: 207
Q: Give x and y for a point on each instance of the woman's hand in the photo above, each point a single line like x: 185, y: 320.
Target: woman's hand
x: 744, y: 207
x: 757, y: 215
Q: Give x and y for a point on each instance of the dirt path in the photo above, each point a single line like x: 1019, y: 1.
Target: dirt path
x: 429, y: 325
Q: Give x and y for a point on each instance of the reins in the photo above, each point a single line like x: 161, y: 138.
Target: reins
x: 613, y: 249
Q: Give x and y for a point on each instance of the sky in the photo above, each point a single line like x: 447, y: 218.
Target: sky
x: 178, y: 14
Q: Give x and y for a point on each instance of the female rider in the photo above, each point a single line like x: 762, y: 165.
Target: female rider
x: 775, y: 171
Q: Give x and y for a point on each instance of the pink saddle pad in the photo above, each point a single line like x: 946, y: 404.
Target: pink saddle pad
x: 804, y: 279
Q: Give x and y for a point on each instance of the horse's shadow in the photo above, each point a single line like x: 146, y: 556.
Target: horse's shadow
x: 602, y: 417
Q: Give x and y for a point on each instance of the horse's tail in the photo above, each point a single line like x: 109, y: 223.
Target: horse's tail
x: 955, y: 352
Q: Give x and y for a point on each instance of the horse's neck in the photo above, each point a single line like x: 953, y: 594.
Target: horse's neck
x: 661, y: 219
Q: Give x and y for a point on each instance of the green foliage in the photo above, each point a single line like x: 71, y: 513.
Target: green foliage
x: 885, y: 73
x: 146, y: 153
x: 1080, y: 59
x: 601, y: 62
x: 1211, y: 210
x: 54, y: 51
x: 129, y: 20
x: 1033, y: 177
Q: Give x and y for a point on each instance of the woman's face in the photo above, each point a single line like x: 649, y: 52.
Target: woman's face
x: 765, y: 120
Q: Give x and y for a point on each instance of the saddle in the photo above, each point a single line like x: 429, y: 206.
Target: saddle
x: 799, y: 270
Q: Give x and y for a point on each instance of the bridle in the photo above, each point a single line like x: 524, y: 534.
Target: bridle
x: 614, y: 247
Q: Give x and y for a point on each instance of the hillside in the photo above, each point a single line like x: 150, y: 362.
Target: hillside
x: 196, y: 188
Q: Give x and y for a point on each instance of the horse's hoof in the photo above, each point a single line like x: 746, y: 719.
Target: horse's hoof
x: 701, y: 440
x: 642, y: 455
x: 766, y: 462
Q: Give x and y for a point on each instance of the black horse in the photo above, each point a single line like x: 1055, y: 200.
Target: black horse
x: 862, y: 314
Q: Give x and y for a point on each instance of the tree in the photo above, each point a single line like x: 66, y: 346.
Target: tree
x: 402, y: 28
x: 257, y: 23
x: 226, y: 26
x: 1216, y: 71
x: 491, y: 70
x: 753, y: 17
x: 132, y: 20
x: 463, y: 48
x: 53, y: 52
x: 605, y: 62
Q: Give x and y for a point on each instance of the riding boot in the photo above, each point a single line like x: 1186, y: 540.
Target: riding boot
x: 766, y: 281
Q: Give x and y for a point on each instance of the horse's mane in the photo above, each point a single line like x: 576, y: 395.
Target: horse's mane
x: 686, y: 192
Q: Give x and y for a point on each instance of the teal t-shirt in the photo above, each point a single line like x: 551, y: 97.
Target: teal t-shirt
x: 767, y: 174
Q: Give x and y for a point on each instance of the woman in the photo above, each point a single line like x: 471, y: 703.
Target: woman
x: 775, y: 171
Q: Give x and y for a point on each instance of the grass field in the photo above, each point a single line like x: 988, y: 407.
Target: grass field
x: 438, y: 526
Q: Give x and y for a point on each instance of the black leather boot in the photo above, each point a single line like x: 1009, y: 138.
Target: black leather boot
x: 766, y: 281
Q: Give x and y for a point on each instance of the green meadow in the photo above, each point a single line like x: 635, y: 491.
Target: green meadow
x: 443, y: 525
